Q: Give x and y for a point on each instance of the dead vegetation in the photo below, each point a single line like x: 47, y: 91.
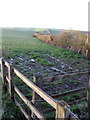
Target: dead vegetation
x: 69, y: 39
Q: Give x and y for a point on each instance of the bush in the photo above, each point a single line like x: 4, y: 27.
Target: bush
x: 72, y: 40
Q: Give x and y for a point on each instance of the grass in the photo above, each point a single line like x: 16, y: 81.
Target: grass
x: 20, y: 42
x: 43, y: 61
x: 81, y: 110
x: 11, y: 111
x: 55, y: 31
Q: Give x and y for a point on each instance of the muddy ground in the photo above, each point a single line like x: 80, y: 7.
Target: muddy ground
x: 50, y: 69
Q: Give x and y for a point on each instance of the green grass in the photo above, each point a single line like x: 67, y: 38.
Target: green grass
x: 43, y: 61
x: 20, y: 42
x: 55, y: 31
x: 81, y: 110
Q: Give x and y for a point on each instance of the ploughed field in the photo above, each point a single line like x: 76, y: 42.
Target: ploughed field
x: 32, y: 56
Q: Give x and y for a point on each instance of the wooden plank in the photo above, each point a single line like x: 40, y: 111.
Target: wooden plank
x: 6, y: 63
x: 63, y: 112
x: 23, y: 111
x: 27, y: 102
x: 39, y: 91
x: 60, y: 112
x: 7, y: 79
x: 61, y: 76
x: 37, y: 79
x: 77, y: 101
x: 68, y: 93
x: 33, y: 92
x: 33, y: 96
x: 2, y: 70
x: 72, y: 115
x: 10, y: 82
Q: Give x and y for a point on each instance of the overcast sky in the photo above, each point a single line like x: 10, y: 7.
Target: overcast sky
x: 63, y: 14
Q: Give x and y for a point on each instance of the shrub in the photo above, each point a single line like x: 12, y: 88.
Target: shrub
x: 72, y: 40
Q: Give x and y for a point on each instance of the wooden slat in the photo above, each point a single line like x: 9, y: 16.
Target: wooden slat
x: 61, y: 76
x: 6, y: 63
x: 64, y: 112
x: 27, y: 102
x: 2, y: 70
x: 39, y: 91
x: 67, y: 93
x: 77, y: 101
x: 72, y: 115
x: 7, y: 79
x: 42, y: 94
x: 23, y: 111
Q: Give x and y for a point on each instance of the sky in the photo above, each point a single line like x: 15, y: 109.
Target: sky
x: 60, y: 14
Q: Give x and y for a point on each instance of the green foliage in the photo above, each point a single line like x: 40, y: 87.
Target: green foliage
x: 81, y: 110
x: 43, y: 61
x: 72, y: 97
x: 11, y: 111
x: 50, y: 115
x: 18, y: 42
x: 59, y: 82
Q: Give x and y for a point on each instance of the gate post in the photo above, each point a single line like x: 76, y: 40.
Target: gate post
x: 3, y: 72
x: 61, y: 112
x: 11, y: 86
x: 37, y: 79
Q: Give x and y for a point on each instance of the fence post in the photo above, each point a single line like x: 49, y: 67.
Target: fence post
x: 11, y: 86
x: 37, y: 79
x: 2, y: 76
x: 3, y: 72
x: 61, y: 111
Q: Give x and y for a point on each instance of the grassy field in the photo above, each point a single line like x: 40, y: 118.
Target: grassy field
x: 32, y: 56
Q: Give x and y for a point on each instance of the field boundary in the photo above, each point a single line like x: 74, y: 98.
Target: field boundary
x: 61, y: 109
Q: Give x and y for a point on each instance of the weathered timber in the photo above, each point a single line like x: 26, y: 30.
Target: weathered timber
x: 3, y: 71
x: 64, y: 112
x: 37, y: 79
x: 7, y: 79
x: 2, y: 74
x: 72, y: 116
x: 30, y: 105
x: 77, y: 101
x: 68, y: 93
x: 10, y: 81
x: 61, y: 76
x: 33, y: 96
x: 38, y: 90
x: 22, y: 109
x: 6, y: 63
x: 60, y: 111
x: 65, y: 93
